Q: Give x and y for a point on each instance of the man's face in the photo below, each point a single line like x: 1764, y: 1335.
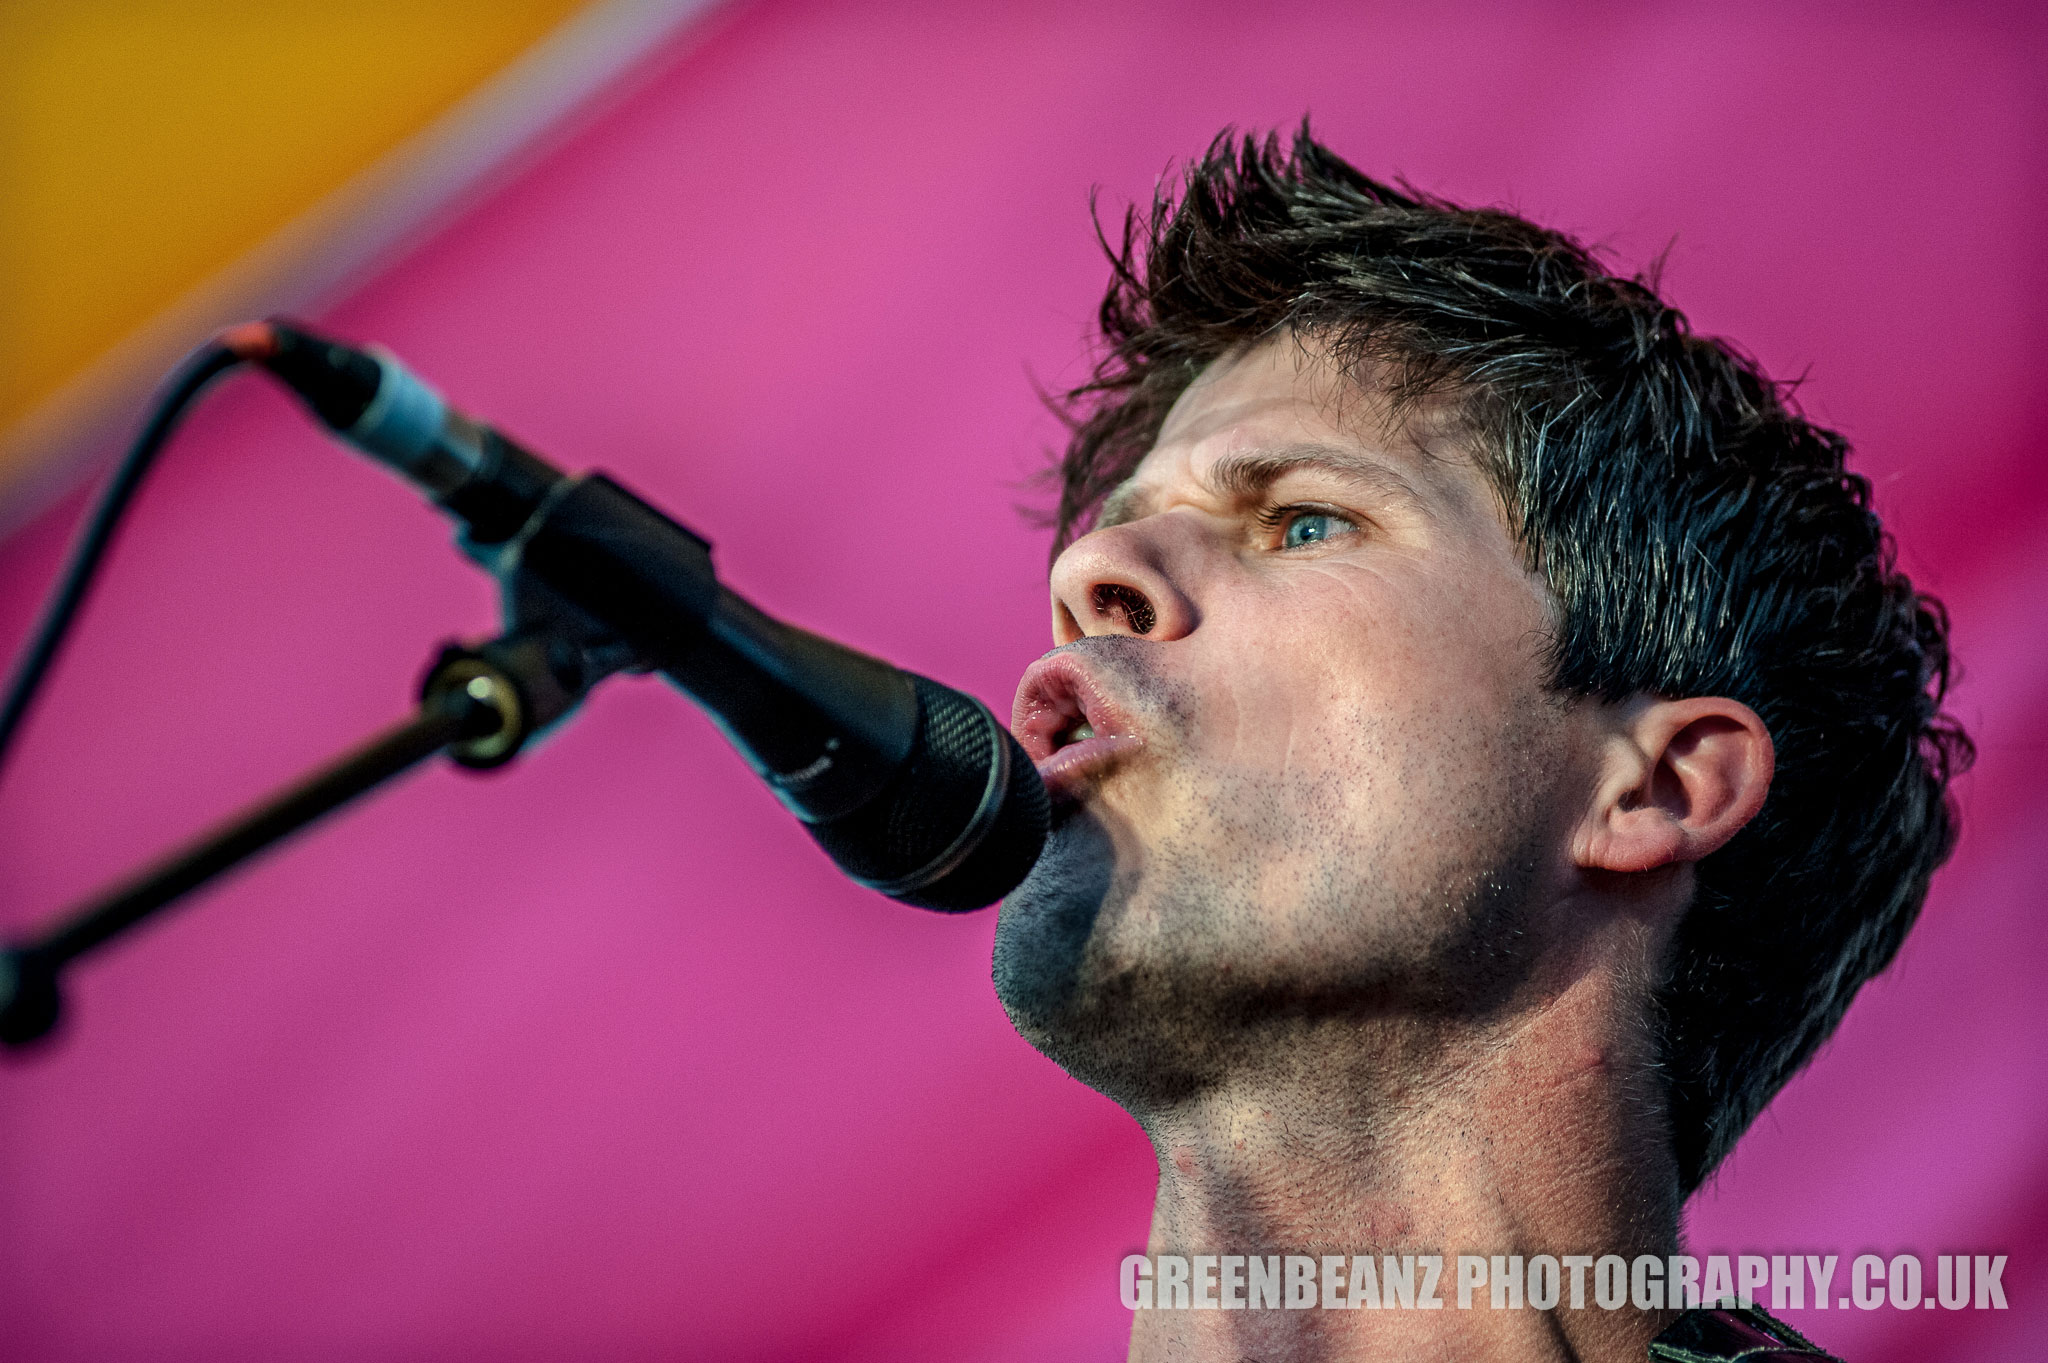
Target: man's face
x: 1303, y: 762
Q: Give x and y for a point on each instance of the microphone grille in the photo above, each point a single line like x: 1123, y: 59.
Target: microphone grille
x: 960, y: 825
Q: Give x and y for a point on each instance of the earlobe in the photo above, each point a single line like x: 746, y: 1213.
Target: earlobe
x: 1680, y: 778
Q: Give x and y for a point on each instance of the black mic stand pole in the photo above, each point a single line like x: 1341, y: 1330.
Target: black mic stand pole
x: 479, y: 704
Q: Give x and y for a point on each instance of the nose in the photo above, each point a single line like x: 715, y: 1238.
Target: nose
x: 1121, y: 580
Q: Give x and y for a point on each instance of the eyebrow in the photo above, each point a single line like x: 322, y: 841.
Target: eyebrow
x: 1243, y: 477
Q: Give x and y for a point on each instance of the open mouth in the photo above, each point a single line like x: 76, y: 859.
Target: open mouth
x: 1069, y: 727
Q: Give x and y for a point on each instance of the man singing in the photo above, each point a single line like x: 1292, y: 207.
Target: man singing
x: 1490, y: 743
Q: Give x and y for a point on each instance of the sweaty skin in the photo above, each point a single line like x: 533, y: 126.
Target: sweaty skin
x: 1354, y: 915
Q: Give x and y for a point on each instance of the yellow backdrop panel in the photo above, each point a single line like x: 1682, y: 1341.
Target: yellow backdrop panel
x: 145, y: 144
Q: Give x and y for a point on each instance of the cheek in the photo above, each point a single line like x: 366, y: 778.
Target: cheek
x: 1335, y: 671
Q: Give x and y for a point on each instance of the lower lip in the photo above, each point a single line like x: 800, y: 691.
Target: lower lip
x: 1071, y: 766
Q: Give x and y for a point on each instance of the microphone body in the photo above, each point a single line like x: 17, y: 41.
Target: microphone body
x: 913, y: 788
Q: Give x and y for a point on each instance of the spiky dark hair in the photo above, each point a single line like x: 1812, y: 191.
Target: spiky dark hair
x: 1700, y: 536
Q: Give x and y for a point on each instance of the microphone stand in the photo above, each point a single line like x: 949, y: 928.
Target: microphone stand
x: 594, y: 581
x: 479, y: 704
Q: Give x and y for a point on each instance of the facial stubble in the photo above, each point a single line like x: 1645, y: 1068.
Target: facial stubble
x: 1386, y: 879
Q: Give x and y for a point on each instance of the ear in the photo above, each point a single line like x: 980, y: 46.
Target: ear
x: 1678, y: 778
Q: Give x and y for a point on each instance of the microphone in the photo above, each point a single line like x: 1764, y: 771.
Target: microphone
x: 913, y: 788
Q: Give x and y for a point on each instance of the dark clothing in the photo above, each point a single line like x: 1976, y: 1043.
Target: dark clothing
x: 1736, y: 1334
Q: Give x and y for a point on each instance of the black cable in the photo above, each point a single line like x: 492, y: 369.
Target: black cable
x: 204, y: 365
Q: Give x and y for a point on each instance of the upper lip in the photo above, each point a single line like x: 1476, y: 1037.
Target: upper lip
x: 1057, y: 694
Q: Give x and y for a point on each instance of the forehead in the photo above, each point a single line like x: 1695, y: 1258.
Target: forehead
x: 1253, y: 416
x: 1281, y: 381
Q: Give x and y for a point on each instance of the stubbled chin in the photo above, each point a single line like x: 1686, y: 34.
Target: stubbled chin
x: 1043, y: 928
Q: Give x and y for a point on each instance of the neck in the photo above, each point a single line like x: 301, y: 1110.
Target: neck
x: 1534, y: 1134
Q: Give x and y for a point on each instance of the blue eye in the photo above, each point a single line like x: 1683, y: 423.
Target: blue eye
x: 1313, y: 527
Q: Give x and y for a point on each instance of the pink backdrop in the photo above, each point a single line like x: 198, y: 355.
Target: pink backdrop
x: 597, y: 1057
